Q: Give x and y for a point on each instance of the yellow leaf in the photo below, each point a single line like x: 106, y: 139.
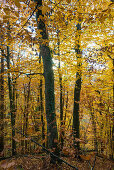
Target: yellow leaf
x: 17, y: 3
x: 86, y: 158
x: 38, y: 35
x: 6, y: 10
x: 16, y: 13
x: 68, y: 1
x: 30, y: 130
x: 45, y: 9
x: 13, y: 17
x: 32, y: 5
x: 5, y: 18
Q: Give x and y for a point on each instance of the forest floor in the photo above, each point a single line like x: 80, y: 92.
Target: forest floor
x: 42, y: 162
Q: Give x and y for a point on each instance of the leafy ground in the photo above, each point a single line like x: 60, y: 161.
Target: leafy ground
x: 41, y: 162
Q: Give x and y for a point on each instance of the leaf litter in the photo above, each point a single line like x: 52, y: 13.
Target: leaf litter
x: 42, y: 162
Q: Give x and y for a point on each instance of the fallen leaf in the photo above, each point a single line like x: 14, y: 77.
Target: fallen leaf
x: 6, y: 164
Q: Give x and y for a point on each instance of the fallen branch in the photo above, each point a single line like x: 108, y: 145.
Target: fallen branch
x: 52, y: 154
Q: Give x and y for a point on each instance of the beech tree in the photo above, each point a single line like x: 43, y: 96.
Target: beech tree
x: 49, y: 81
x: 77, y: 90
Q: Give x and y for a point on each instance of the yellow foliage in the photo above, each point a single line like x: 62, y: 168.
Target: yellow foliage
x: 68, y: 1
x: 17, y: 3
x: 45, y: 9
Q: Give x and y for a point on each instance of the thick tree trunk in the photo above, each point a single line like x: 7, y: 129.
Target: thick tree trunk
x: 50, y: 98
x: 77, y: 90
x: 61, y: 95
x: 49, y: 82
x: 2, y: 105
x: 76, y: 122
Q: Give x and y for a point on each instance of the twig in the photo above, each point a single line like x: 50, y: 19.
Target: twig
x: 28, y: 19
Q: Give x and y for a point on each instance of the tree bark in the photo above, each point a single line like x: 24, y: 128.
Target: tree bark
x: 61, y: 95
x: 12, y: 103
x: 41, y: 106
x: 26, y: 110
x: 2, y: 105
x: 94, y: 130
x: 66, y: 108
x: 112, y: 143
x: 77, y: 90
x: 49, y: 83
x: 61, y: 109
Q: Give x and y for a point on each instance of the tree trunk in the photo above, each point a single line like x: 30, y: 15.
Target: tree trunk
x: 12, y: 103
x: 26, y: 111
x: 2, y: 105
x: 94, y: 130
x: 41, y: 107
x: 61, y: 95
x: 49, y: 82
x: 77, y: 89
x: 61, y: 109
x: 112, y: 143
x: 66, y: 108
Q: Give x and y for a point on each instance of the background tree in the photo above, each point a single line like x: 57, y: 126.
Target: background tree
x: 2, y: 103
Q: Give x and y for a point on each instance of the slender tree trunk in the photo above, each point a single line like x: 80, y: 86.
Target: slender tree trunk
x: 61, y: 109
x: 12, y: 103
x: 61, y: 95
x: 77, y: 90
x: 94, y: 129
x: 26, y: 111
x: 66, y: 108
x: 41, y: 107
x: 2, y: 105
x: 94, y: 125
x: 112, y: 143
x: 65, y: 116
x: 49, y: 83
